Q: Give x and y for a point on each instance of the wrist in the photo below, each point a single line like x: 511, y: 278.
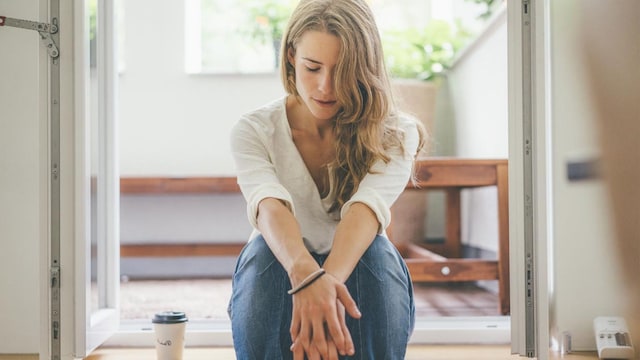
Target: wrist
x: 307, y: 281
x: 301, y: 269
x: 341, y: 276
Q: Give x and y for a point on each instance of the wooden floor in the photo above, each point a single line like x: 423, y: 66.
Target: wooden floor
x: 421, y: 352
x: 417, y: 352
x: 430, y: 300
x: 414, y: 352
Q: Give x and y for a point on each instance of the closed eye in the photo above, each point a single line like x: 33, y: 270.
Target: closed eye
x: 312, y: 69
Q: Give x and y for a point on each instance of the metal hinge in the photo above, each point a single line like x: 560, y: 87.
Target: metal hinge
x: 55, y: 277
x: 45, y: 30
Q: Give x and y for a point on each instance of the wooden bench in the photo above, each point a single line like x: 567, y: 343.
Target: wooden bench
x: 438, y: 263
x: 179, y: 185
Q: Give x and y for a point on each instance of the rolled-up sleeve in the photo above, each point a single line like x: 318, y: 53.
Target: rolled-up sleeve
x: 385, y: 182
x: 255, y: 171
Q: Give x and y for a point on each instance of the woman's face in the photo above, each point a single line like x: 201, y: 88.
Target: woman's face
x: 315, y: 60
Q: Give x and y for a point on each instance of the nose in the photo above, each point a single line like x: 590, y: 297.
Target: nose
x: 325, y: 83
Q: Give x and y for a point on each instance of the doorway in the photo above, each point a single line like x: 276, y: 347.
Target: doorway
x: 175, y: 150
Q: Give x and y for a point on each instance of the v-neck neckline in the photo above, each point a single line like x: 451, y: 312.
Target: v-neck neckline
x: 307, y: 173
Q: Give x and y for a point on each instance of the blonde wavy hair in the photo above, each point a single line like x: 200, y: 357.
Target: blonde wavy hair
x: 366, y: 125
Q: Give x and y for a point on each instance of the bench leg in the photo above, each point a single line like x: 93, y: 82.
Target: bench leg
x: 503, y: 238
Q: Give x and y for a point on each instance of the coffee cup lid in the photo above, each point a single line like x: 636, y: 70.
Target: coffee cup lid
x: 169, y: 317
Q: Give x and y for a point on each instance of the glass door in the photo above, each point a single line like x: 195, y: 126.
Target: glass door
x: 97, y: 193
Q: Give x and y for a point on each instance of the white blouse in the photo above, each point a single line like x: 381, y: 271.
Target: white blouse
x: 268, y: 164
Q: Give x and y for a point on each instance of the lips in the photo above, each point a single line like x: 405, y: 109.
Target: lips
x: 325, y: 103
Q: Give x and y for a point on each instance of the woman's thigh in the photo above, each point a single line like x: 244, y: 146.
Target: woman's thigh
x: 260, y: 308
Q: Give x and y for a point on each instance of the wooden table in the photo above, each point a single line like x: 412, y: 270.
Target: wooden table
x: 442, y: 263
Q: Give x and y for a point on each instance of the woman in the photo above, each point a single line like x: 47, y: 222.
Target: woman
x: 320, y: 169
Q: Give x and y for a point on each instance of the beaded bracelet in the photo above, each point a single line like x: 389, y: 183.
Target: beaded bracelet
x: 307, y: 281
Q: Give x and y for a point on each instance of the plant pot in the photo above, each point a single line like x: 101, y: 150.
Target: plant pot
x: 417, y: 98
x: 409, y: 212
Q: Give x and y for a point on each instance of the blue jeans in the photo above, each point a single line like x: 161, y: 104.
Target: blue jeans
x: 260, y: 308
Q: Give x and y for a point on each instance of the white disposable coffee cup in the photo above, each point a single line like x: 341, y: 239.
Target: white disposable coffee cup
x: 169, y: 328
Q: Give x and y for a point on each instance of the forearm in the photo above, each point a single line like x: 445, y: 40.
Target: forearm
x: 282, y: 234
x: 354, y: 234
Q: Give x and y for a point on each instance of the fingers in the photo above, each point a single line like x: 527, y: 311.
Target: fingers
x: 315, y: 339
x: 298, y: 350
x: 305, y: 336
x: 320, y: 348
x: 318, y: 324
x: 319, y: 339
x: 335, y: 331
x: 336, y: 327
x: 314, y: 354
x: 348, y: 341
x: 310, y: 339
x: 348, y: 302
x: 296, y: 346
x: 330, y: 350
x: 294, y: 329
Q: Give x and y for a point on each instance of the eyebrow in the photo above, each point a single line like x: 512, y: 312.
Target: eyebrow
x: 311, y: 60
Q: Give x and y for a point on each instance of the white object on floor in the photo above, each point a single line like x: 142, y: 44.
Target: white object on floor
x: 612, y: 338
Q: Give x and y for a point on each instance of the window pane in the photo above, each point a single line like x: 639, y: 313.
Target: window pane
x: 243, y: 36
x: 237, y: 36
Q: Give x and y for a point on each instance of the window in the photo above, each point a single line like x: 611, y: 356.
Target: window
x: 235, y: 36
x: 243, y: 36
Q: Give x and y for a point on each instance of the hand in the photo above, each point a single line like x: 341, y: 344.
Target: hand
x: 332, y: 349
x: 318, y: 326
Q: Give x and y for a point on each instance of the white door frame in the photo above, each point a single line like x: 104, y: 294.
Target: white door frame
x: 92, y: 328
x: 71, y: 83
x: 530, y: 333
x: 80, y: 330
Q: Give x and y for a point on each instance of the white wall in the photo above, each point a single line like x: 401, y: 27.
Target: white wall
x: 172, y: 123
x: 22, y: 181
x: 584, y: 262
x: 178, y: 124
x: 477, y: 123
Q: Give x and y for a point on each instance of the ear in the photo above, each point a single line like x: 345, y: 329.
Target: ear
x: 291, y: 58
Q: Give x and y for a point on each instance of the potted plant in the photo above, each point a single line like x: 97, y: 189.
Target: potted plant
x: 417, y: 59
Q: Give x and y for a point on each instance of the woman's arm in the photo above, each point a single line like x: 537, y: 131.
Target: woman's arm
x: 354, y: 234
x: 317, y: 305
x: 282, y: 234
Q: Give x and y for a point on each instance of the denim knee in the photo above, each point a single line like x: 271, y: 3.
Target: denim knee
x: 381, y: 285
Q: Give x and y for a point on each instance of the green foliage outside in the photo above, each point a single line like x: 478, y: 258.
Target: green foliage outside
x: 419, y: 53
x: 424, y: 53
x: 92, y: 7
x: 268, y: 19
